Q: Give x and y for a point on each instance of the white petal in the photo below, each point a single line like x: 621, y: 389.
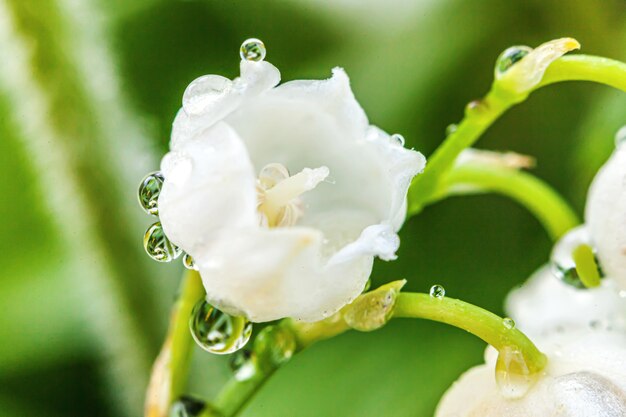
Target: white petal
x: 586, y: 376
x: 606, y: 216
x: 544, y: 305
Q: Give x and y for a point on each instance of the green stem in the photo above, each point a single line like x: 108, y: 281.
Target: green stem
x: 169, y: 373
x: 485, y: 112
x: 488, y: 326
x: 539, y: 198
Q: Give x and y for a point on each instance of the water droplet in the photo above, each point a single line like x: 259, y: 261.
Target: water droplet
x: 437, y: 291
x: 274, y: 345
x: 149, y: 191
x: 509, y: 57
x: 188, y: 262
x: 562, y: 258
x: 158, y: 246
x: 512, y: 373
x: 620, y: 137
x: 217, y: 332
x: 398, y: 139
x: 451, y: 128
x: 205, y: 93
x: 508, y: 322
x: 252, y: 50
x: 186, y: 407
x: 474, y: 107
x: 243, y: 364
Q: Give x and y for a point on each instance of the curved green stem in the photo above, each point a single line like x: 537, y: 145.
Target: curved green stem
x: 539, y: 198
x: 482, y: 114
x: 488, y: 326
x: 169, y: 373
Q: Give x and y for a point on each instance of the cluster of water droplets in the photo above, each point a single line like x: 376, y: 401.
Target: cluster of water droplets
x: 562, y: 259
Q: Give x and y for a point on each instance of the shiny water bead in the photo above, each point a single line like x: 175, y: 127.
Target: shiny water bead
x: 188, y: 262
x: 217, y: 332
x: 620, y: 137
x: 509, y: 57
x: 252, y: 50
x: 437, y: 291
x: 512, y: 373
x: 158, y: 246
x: 451, y: 128
x: 274, y: 346
x: 205, y: 93
x: 243, y: 364
x: 149, y: 190
x: 398, y: 139
x: 186, y: 407
x: 562, y: 258
x: 508, y: 322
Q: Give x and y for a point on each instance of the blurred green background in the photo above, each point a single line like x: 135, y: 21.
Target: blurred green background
x: 88, y: 90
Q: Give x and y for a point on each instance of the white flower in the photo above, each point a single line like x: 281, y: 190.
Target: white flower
x: 544, y: 305
x: 585, y: 376
x: 606, y: 216
x: 282, y: 195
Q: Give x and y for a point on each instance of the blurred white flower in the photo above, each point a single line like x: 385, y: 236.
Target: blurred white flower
x: 282, y: 195
x: 606, y: 216
x: 585, y: 376
x: 545, y: 305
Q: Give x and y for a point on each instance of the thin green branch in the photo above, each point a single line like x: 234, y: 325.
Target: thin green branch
x: 539, y: 198
x: 480, y: 115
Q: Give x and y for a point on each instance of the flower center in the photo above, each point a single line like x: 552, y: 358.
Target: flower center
x: 279, y: 202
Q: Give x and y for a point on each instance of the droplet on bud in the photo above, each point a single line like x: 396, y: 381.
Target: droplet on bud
x: 274, y: 345
x: 509, y: 323
x: 398, y: 139
x: 149, y: 191
x: 243, y: 364
x: 620, y: 137
x: 205, y: 93
x: 217, y: 332
x: 509, y: 57
x: 188, y: 262
x: 252, y: 50
x: 437, y: 291
x: 186, y: 407
x: 563, y: 257
x: 158, y: 246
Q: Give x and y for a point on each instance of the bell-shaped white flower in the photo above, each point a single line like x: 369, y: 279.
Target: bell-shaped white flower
x: 544, y: 305
x: 606, y: 216
x: 585, y: 376
x: 282, y: 195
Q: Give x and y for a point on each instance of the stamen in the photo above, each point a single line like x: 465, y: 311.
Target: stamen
x: 278, y: 200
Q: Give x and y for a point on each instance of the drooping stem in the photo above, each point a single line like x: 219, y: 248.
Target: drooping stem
x: 539, y: 198
x: 481, y: 114
x: 169, y: 373
x: 374, y: 306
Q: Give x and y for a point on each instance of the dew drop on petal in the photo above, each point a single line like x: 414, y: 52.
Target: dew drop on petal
x: 508, y: 322
x: 437, y: 291
x: 451, y: 128
x: 158, y: 246
x: 620, y: 137
x: 186, y: 407
x: 205, y: 93
x: 243, y: 364
x: 512, y: 373
x: 217, y: 332
x: 188, y: 262
x: 398, y: 139
x: 509, y: 57
x: 252, y: 50
x: 562, y: 258
x: 149, y: 190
